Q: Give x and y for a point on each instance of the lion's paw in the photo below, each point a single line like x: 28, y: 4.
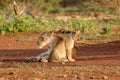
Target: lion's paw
x: 72, y: 60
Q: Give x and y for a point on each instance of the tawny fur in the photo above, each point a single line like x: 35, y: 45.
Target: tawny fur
x: 61, y: 47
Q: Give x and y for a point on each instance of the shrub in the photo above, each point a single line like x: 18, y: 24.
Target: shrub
x: 25, y: 24
x: 83, y: 25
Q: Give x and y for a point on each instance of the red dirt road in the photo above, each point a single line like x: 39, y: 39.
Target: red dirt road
x: 94, y: 61
x: 16, y: 49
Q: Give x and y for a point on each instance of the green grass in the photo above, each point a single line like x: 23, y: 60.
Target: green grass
x: 25, y: 24
x: 90, y: 29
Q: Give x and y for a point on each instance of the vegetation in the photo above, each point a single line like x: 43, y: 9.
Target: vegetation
x: 90, y: 10
x: 13, y: 25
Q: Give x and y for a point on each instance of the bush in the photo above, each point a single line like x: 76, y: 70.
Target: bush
x: 47, y: 5
x: 83, y: 25
x: 25, y: 24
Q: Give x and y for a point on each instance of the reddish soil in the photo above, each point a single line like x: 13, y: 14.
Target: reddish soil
x: 96, y: 61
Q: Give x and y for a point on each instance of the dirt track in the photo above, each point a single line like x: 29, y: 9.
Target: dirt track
x: 94, y: 61
x: 15, y: 49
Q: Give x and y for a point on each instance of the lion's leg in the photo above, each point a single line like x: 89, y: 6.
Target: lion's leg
x: 55, y: 57
x: 69, y: 55
x: 74, y: 52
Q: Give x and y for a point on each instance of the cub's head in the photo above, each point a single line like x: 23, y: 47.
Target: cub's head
x: 44, y: 39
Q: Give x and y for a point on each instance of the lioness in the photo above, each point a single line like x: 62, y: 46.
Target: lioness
x: 62, y: 45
